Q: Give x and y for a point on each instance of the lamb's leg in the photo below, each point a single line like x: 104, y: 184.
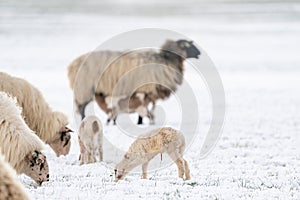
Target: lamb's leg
x: 176, y: 157
x: 186, y: 170
x: 152, y: 112
x: 140, y: 120
x: 90, y: 158
x: 82, y: 151
x: 151, y: 117
x: 109, y: 118
x: 115, y: 120
x: 144, y: 169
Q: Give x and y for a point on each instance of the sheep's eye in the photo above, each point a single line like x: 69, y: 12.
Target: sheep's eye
x: 187, y: 45
x: 126, y: 156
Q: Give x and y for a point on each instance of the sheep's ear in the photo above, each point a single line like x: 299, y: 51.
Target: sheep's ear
x: 65, y: 136
x: 68, y: 130
x: 40, y: 159
x: 35, y: 154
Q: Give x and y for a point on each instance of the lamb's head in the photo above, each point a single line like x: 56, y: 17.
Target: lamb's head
x: 37, y: 167
x: 127, y: 163
x: 61, y: 143
x: 184, y: 48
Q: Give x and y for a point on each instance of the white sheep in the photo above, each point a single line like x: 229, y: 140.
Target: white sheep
x: 90, y: 140
x: 49, y: 125
x: 19, y: 145
x: 147, y: 146
x: 116, y: 73
x: 113, y: 106
x: 10, y: 188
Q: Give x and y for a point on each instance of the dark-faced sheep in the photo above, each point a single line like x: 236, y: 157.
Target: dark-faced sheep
x: 90, y: 140
x: 10, y: 188
x: 147, y: 146
x: 49, y: 125
x: 144, y: 71
x: 19, y: 145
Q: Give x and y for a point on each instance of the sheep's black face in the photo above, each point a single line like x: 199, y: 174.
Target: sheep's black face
x: 191, y: 50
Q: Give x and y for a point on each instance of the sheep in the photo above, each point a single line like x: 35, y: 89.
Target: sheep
x: 146, y: 71
x: 90, y: 140
x: 49, y: 125
x: 147, y: 146
x: 10, y: 188
x: 19, y: 145
x: 113, y: 106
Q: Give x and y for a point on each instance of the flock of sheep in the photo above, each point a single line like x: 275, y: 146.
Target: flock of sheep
x: 27, y: 122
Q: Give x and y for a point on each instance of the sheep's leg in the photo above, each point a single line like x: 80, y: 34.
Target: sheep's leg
x: 81, y: 109
x: 100, y: 154
x: 186, y: 170
x: 144, y: 169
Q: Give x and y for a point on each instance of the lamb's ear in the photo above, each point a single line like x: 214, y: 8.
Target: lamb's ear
x: 2, y: 121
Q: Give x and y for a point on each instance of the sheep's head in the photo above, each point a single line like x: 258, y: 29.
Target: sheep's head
x: 126, y: 164
x: 190, y: 49
x: 61, y: 145
x: 37, y: 167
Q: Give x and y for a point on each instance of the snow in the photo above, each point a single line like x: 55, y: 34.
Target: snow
x: 255, y: 47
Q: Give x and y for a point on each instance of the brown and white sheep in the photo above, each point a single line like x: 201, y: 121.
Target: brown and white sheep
x: 147, y: 146
x: 144, y: 71
x: 49, y: 125
x: 19, y: 145
x: 90, y: 140
x: 10, y: 188
x: 138, y: 102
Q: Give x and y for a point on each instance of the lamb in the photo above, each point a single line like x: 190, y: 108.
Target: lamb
x: 10, y: 188
x: 113, y: 106
x: 116, y: 73
x: 19, y: 145
x: 49, y: 125
x: 147, y: 146
x: 90, y: 140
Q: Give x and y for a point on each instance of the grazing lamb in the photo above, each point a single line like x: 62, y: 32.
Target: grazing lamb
x: 90, y: 140
x: 19, y: 145
x: 48, y: 125
x: 113, y: 106
x: 10, y: 188
x: 144, y: 71
x: 148, y: 146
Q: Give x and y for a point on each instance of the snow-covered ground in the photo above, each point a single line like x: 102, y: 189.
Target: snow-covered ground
x: 255, y: 47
